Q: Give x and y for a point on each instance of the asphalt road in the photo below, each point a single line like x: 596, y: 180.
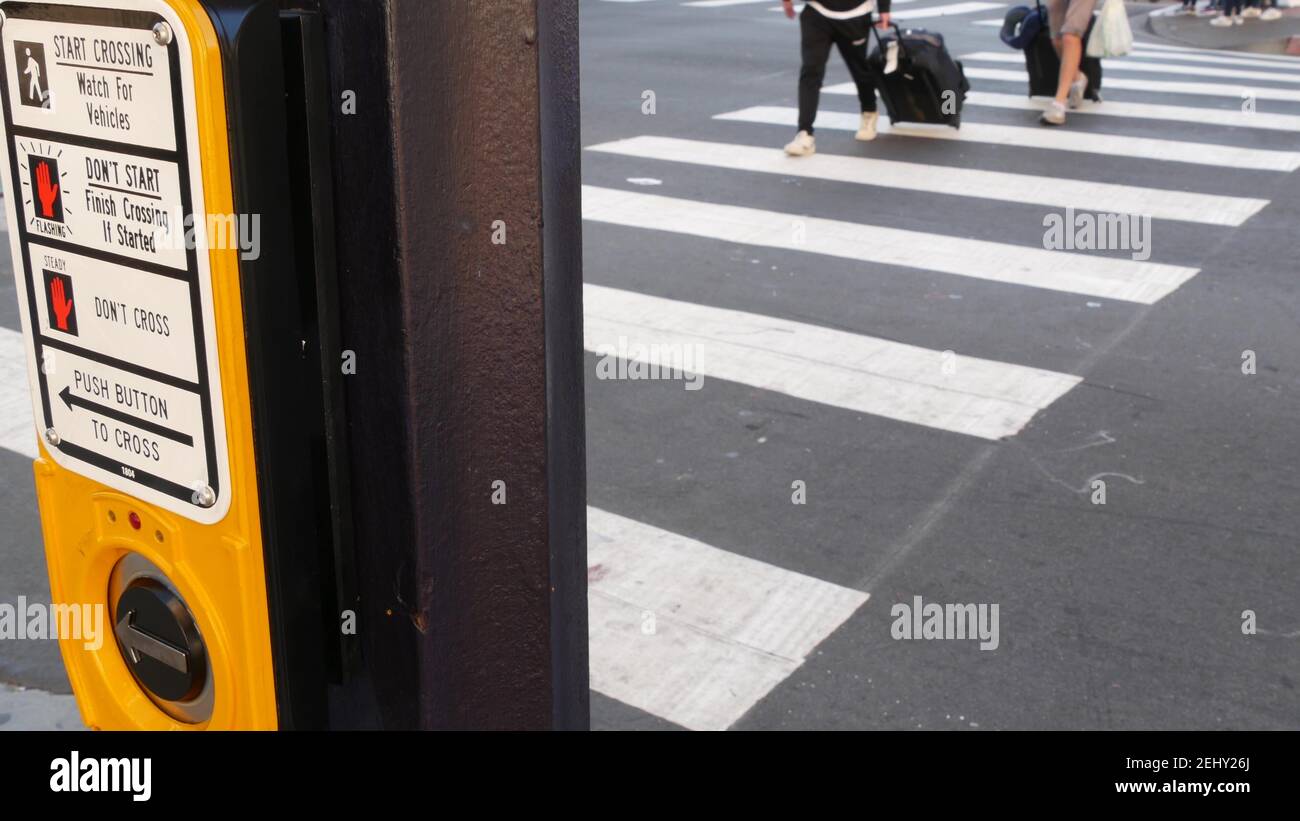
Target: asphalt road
x: 1122, y: 615
x: 895, y: 340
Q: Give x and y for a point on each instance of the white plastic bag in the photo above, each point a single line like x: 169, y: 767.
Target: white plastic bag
x: 1111, y: 35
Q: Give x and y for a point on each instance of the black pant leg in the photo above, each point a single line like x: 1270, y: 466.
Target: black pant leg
x: 816, y: 36
x: 852, y: 38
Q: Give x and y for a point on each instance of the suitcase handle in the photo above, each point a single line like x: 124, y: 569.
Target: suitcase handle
x: 898, y: 34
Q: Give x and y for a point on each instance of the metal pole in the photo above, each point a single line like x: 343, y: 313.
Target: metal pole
x: 459, y: 254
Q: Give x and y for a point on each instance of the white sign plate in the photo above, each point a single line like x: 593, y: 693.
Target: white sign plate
x: 102, y: 175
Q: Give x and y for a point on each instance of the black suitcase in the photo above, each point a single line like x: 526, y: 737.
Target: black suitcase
x: 927, y: 87
x: 1044, y: 66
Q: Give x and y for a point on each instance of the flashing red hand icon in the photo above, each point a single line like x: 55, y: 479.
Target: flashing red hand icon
x: 62, y: 305
x: 45, y: 190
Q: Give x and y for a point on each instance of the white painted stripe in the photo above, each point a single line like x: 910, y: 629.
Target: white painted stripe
x: 948, y: 180
x: 1154, y: 68
x: 694, y: 634
x: 1052, y: 139
x: 976, y: 397
x: 1238, y: 92
x: 908, y: 15
x: 1149, y: 111
x: 1282, y: 59
x: 1243, y: 60
x: 798, y: 7
x: 713, y: 4
x: 998, y: 23
x: 1089, y: 274
x: 17, y: 430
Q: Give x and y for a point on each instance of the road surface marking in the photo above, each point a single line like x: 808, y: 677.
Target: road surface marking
x: 713, y: 4
x: 1148, y: 111
x: 932, y: 11
x: 1154, y: 68
x: 1243, y: 60
x: 798, y: 7
x: 17, y: 431
x: 692, y: 633
x: 907, y: 383
x: 942, y: 11
x: 1233, y: 90
x: 953, y: 181
x: 1281, y: 59
x: 1087, y: 274
x: 1111, y: 145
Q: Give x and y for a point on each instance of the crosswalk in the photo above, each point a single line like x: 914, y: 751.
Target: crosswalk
x: 730, y: 629
x: 1099, y: 276
x: 901, y: 10
x: 1192, y: 115
x: 694, y: 634
x: 1212, y: 209
x: 888, y: 379
x: 1110, y: 145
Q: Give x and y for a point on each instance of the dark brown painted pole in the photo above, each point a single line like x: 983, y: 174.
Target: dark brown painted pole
x: 459, y: 252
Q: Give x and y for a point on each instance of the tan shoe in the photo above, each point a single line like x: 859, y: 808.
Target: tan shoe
x: 802, y: 145
x: 867, y: 128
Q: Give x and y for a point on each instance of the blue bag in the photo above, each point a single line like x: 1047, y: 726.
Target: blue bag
x: 1021, y: 26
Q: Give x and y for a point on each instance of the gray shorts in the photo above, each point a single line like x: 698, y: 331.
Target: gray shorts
x: 1069, y: 16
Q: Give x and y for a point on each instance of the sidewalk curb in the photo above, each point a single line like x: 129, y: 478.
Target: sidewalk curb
x: 1276, y: 37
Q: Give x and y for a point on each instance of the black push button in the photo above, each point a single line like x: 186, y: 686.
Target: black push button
x: 160, y: 641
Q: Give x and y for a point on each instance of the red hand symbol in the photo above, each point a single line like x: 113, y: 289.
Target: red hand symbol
x: 62, y: 305
x: 45, y: 191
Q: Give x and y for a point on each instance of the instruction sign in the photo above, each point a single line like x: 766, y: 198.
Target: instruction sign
x: 104, y: 195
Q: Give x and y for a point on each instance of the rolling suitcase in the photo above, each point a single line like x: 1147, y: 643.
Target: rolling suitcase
x: 928, y: 86
x: 1044, y: 66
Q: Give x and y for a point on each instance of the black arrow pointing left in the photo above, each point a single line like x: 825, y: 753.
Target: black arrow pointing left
x: 124, y: 418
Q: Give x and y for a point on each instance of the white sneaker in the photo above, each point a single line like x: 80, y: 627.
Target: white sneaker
x: 1251, y: 12
x: 867, y: 128
x: 1077, y: 88
x: 802, y: 145
x: 1054, y: 114
x: 1271, y: 14
x: 1222, y: 21
x: 1237, y: 21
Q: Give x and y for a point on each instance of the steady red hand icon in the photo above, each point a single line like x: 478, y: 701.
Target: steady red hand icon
x: 45, y: 190
x: 62, y: 305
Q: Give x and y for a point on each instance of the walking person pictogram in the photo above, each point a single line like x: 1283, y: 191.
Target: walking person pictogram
x: 31, y: 56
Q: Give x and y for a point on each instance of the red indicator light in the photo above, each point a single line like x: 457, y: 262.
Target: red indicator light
x: 134, y: 519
